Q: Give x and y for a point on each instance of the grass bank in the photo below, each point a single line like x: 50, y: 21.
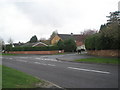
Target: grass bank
x: 12, y: 78
x: 100, y: 60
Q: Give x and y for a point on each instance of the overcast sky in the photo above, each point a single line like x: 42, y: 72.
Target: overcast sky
x: 21, y: 19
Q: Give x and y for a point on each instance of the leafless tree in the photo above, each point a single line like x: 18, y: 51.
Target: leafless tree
x: 10, y: 41
x: 89, y: 32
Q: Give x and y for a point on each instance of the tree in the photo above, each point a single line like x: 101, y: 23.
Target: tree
x: 108, y: 36
x: 89, y: 32
x: 10, y: 45
x: 70, y: 45
x: 102, y: 27
x: 2, y: 44
x: 114, y: 17
x: 10, y: 41
x: 60, y: 45
x: 33, y: 39
x: 53, y: 34
x: 42, y: 39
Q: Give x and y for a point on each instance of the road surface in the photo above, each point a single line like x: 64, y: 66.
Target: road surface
x: 65, y: 74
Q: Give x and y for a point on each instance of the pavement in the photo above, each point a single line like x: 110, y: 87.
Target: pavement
x: 65, y: 74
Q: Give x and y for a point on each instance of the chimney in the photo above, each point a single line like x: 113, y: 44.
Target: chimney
x: 71, y: 34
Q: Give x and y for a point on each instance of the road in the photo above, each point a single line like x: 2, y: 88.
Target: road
x: 65, y: 74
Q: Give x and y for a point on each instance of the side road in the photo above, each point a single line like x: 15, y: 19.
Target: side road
x: 74, y: 57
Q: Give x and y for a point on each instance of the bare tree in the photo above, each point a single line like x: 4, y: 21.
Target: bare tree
x: 10, y: 41
x: 53, y: 34
x: 42, y: 39
x: 89, y: 32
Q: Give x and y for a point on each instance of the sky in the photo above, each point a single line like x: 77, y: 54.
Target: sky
x: 22, y: 19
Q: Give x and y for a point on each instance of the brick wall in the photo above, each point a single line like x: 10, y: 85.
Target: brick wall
x: 36, y: 52
x: 111, y: 53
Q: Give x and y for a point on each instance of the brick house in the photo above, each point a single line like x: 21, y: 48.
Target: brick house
x: 79, y: 39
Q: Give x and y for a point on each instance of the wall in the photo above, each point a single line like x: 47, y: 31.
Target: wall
x: 36, y: 52
x: 111, y: 53
x: 55, y: 39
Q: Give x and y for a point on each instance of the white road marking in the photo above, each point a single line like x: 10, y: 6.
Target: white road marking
x: 46, y: 59
x: 10, y: 58
x: 44, y: 64
x: 24, y: 57
x: 51, y: 64
x: 22, y: 60
x: 89, y: 70
x: 40, y: 63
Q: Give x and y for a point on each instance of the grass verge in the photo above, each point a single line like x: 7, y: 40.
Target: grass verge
x: 12, y: 78
x: 0, y: 77
x: 59, y: 54
x: 100, y: 60
x: 7, y: 54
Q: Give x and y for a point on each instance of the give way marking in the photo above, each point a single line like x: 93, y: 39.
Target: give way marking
x: 89, y: 70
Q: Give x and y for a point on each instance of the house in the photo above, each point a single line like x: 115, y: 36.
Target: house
x: 28, y: 44
x: 35, y: 44
x: 17, y: 44
x: 79, y: 39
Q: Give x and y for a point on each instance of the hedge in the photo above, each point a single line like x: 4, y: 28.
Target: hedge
x: 46, y: 48
x: 101, y: 41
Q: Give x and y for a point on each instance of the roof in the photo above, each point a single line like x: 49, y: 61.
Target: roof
x: 18, y: 44
x: 77, y: 37
x: 65, y: 36
x: 47, y: 42
x: 36, y: 44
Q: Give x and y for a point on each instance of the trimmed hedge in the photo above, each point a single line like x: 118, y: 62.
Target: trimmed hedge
x: 46, y: 48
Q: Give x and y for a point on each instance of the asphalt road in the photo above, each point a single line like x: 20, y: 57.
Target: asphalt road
x: 65, y: 74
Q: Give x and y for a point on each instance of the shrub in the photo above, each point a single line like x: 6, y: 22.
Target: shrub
x: 70, y: 45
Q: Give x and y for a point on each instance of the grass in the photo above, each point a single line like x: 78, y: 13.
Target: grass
x: 100, y: 60
x: 7, y: 54
x: 59, y: 54
x: 12, y: 78
x: 0, y: 76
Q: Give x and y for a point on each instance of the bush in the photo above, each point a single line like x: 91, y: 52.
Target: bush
x: 104, y: 40
x: 60, y: 45
x: 70, y: 45
x: 8, y: 47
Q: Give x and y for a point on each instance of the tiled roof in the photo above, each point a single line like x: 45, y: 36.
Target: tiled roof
x: 77, y: 37
x: 34, y: 44
x: 66, y: 36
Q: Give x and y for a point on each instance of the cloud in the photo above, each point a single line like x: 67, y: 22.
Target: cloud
x: 13, y: 22
x: 17, y: 25
x: 21, y: 19
x: 40, y: 13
